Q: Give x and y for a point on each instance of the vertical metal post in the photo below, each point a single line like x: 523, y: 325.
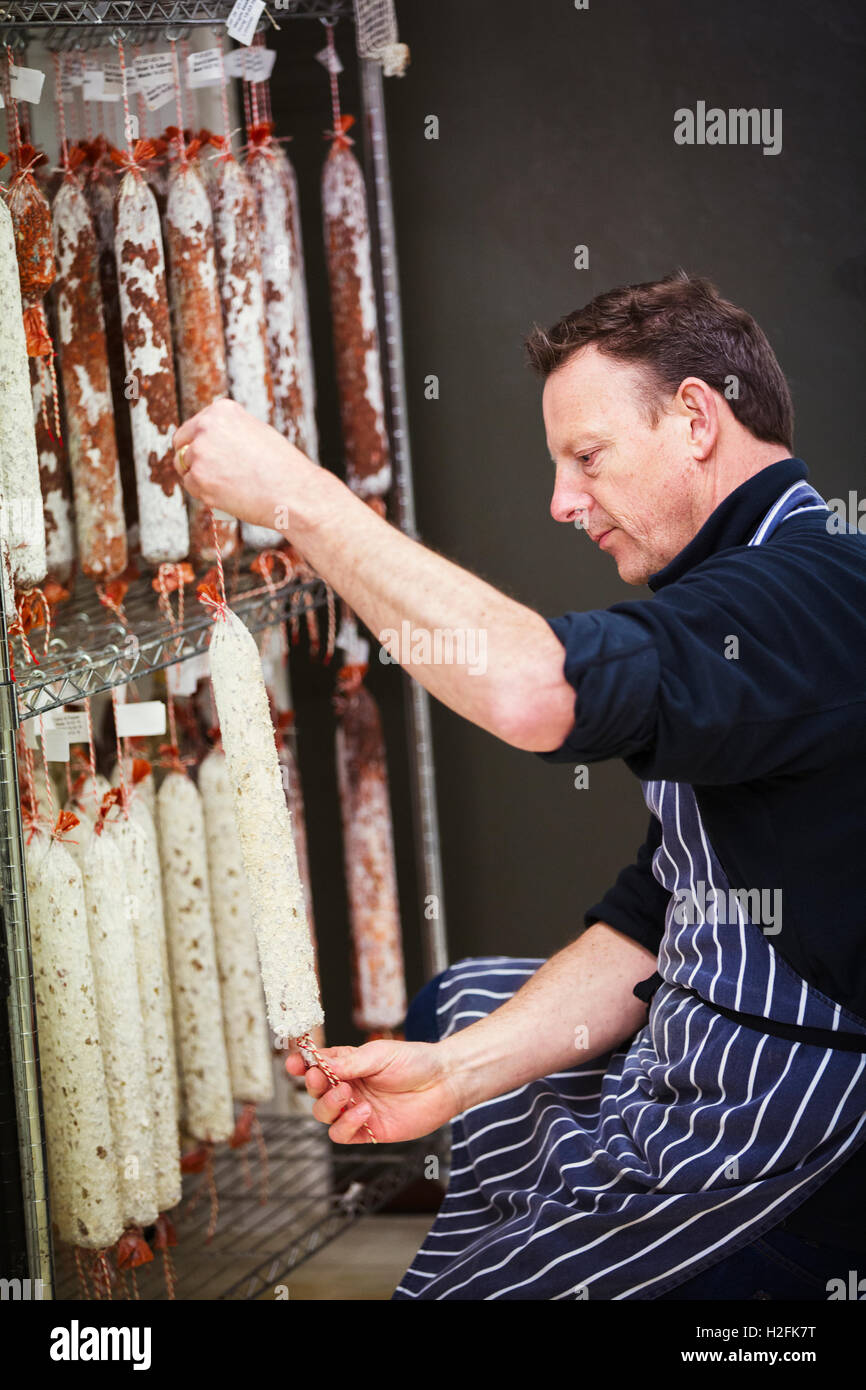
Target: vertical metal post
x: 417, y: 700
x: 25, y: 1066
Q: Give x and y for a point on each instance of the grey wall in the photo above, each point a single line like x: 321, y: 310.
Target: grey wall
x: 556, y: 128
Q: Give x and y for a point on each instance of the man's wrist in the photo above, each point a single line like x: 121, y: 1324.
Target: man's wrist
x: 473, y: 1065
x: 317, y: 498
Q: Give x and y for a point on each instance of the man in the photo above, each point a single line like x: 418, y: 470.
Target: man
x: 643, y: 1115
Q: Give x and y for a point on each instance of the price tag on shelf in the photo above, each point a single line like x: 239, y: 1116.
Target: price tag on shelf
x: 140, y: 720
x: 72, y: 723
x: 245, y: 15
x: 26, y: 83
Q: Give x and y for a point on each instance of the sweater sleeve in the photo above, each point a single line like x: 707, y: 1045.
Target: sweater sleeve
x: 735, y: 672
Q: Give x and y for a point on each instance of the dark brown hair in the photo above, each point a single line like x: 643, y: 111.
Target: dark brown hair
x: 677, y: 327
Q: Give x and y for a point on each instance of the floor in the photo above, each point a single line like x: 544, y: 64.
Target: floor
x: 365, y: 1263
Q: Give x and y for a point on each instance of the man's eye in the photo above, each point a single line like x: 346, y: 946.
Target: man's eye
x: 585, y: 458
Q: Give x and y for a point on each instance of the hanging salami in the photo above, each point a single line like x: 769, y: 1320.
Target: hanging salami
x: 243, y: 1001
x: 368, y: 844
x: 198, y: 332
x: 100, y: 189
x: 162, y: 518
x: 305, y: 370
x: 236, y: 233
x: 279, y: 257
x: 353, y: 313
x: 121, y: 1030
x: 141, y: 869
x: 208, y: 1114
x: 19, y: 460
x: 87, y: 389
x: 56, y: 488
x: 82, y: 1159
x: 265, y: 831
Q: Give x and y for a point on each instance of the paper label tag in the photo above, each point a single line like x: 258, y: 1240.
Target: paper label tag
x: 184, y: 676
x: 73, y: 69
x: 203, y: 68
x: 245, y: 15
x: 139, y: 720
x: 155, y: 74
x: 329, y: 60
x: 55, y: 746
x: 157, y: 94
x: 26, y: 83
x: 252, y: 64
x: 112, y: 82
x: 70, y: 722
x: 29, y: 727
x: 92, y: 88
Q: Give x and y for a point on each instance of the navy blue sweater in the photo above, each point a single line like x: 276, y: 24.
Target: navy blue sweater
x: 772, y: 741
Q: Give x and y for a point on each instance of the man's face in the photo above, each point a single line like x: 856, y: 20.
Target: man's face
x: 615, y: 472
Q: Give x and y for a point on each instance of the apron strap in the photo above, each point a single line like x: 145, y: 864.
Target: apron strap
x: 792, y: 1032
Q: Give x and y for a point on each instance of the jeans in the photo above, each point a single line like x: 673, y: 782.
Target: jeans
x: 779, y: 1265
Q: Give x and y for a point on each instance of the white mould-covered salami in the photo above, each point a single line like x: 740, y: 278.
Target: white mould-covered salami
x: 82, y: 1159
x: 243, y: 1000
x: 236, y: 234
x: 162, y: 519
x: 85, y: 803
x: 198, y: 332
x: 23, y: 522
x: 368, y: 845
x: 195, y: 982
x: 144, y: 897
x: 56, y: 488
x: 121, y: 1031
x: 353, y: 311
x: 264, y: 825
x: 90, y: 433
x: 146, y: 822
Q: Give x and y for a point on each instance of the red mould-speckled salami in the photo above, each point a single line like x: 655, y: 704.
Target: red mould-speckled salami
x: 56, y: 488
x: 23, y: 520
x: 84, y: 370
x: 353, y: 311
x: 162, y: 518
x: 304, y: 367
x: 236, y: 233
x: 279, y: 274
x: 368, y: 843
x: 198, y: 332
x: 100, y: 189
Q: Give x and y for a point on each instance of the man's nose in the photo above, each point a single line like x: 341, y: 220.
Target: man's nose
x: 569, y: 503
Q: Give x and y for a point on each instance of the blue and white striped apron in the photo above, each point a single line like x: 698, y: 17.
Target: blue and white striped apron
x: 631, y: 1174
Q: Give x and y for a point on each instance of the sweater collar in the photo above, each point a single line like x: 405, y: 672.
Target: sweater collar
x: 735, y: 518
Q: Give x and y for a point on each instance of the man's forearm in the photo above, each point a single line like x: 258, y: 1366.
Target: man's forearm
x: 578, y: 1006
x: 512, y: 684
